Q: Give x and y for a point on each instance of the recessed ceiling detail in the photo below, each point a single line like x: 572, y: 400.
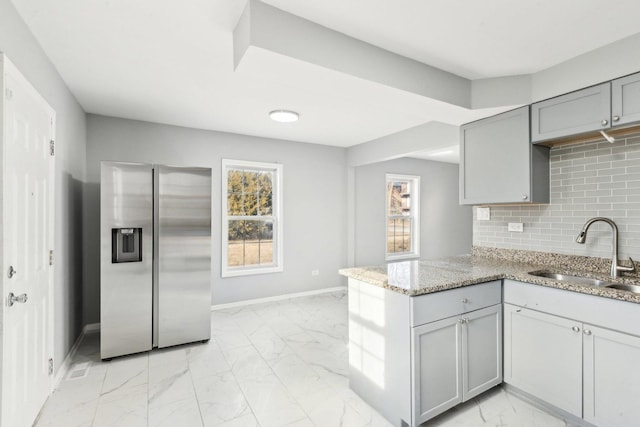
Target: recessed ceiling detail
x: 266, y: 27
x: 376, y: 70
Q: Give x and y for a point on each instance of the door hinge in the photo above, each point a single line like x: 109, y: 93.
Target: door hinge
x: 51, y: 257
x: 51, y: 366
x: 52, y: 147
x: 8, y: 93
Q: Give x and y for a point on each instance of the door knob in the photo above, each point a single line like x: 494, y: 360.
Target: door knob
x: 12, y: 272
x: 12, y: 299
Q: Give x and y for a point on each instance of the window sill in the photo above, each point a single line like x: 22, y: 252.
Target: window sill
x: 251, y: 271
x: 401, y: 257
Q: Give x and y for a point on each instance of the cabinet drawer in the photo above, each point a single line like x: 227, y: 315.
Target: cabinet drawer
x: 610, y: 313
x: 439, y: 305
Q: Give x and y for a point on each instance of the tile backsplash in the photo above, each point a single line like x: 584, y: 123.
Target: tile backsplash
x: 587, y: 180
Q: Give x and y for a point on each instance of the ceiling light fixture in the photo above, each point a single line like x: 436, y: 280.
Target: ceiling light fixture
x: 284, y: 116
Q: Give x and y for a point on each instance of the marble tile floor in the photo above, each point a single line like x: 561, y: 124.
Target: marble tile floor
x: 274, y: 364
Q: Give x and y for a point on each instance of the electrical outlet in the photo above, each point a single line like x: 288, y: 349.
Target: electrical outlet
x: 315, y: 272
x: 517, y: 227
x: 483, y: 214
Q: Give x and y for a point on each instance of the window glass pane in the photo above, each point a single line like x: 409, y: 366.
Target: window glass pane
x: 250, y: 204
x: 399, y: 235
x: 235, y: 246
x: 265, y: 193
x: 234, y: 181
x: 250, y: 182
x: 399, y: 198
x: 265, y: 236
x: 251, y: 252
x: 235, y: 204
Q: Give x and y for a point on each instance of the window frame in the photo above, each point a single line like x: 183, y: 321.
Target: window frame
x: 414, y: 215
x: 276, y: 206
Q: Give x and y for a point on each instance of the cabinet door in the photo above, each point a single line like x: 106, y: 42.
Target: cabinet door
x: 436, y: 368
x: 481, y: 350
x: 577, y: 112
x: 611, y: 377
x: 625, y: 100
x: 495, y: 156
x: 543, y: 357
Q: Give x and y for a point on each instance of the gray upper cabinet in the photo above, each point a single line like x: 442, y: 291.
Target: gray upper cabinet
x: 625, y: 100
x: 498, y: 164
x: 583, y: 111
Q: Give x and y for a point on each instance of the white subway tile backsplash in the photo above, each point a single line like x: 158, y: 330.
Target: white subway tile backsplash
x: 587, y: 180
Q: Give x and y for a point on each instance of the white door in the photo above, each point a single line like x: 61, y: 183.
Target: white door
x: 27, y: 210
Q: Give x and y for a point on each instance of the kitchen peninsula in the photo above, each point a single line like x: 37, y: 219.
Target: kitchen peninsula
x: 426, y: 335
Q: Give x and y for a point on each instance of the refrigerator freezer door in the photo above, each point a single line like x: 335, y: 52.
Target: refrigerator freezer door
x: 184, y: 255
x: 126, y: 202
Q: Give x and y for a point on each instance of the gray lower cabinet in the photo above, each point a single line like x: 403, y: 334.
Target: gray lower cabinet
x: 585, y: 367
x: 571, y: 114
x: 625, y: 100
x: 412, y: 358
x: 437, y: 359
x: 611, y: 377
x: 543, y: 357
x: 455, y: 359
x: 498, y: 163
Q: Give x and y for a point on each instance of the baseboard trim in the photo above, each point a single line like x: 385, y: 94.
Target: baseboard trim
x: 570, y: 419
x: 63, y: 370
x: 91, y: 327
x: 276, y: 298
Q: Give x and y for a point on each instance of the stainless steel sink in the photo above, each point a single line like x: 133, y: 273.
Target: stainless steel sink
x: 625, y: 287
x: 571, y: 279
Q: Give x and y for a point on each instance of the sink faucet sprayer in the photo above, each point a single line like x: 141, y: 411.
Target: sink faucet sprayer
x: 614, y: 257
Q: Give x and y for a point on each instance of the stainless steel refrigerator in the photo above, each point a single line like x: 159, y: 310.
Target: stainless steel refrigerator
x: 155, y: 257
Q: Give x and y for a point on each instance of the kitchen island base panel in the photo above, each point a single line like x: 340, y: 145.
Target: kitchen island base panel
x: 379, y: 360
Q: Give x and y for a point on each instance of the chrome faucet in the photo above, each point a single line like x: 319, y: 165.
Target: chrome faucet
x: 615, y: 267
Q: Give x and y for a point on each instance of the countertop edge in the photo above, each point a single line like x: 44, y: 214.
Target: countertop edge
x: 376, y: 276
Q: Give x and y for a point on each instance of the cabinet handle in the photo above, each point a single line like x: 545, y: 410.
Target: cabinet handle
x: 575, y: 329
x: 525, y: 197
x: 518, y: 310
x: 604, y: 122
x: 587, y: 332
x: 615, y: 118
x: 464, y: 300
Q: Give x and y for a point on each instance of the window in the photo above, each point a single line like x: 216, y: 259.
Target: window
x: 403, y: 220
x: 251, y: 218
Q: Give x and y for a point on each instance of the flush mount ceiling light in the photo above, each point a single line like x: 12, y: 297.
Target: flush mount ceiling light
x: 284, y: 116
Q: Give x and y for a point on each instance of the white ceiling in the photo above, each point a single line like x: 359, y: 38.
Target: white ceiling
x: 172, y: 62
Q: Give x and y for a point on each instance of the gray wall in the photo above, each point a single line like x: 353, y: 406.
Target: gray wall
x: 587, y: 180
x: 445, y: 226
x: 314, y: 201
x: 23, y: 50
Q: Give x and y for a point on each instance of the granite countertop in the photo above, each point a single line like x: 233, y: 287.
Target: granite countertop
x: 421, y: 277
